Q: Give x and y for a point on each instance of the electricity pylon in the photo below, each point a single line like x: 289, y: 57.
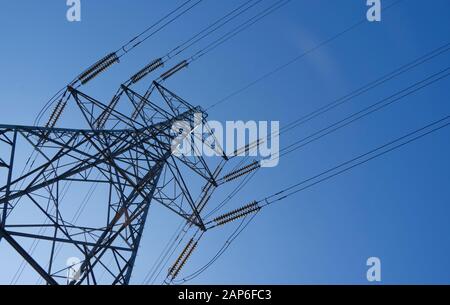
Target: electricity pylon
x: 132, y: 163
x: 126, y: 154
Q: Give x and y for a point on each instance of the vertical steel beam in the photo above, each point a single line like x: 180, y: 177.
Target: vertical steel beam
x: 8, y: 182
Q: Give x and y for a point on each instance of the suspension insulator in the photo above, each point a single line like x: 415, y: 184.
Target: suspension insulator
x: 241, y: 172
x: 183, y: 253
x: 182, y: 259
x: 183, y: 262
x: 147, y: 70
x: 56, y: 114
x: 174, y: 70
x: 236, y: 214
x: 98, y: 68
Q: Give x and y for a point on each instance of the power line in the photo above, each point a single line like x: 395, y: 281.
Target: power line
x: 136, y: 41
x: 295, y: 59
x: 371, y: 85
x: 400, y: 95
x: 166, y: 254
x: 338, y: 125
x: 213, y: 27
x: 267, y: 199
x: 199, y: 36
x: 234, y: 235
x: 357, y: 161
x: 208, y: 30
x: 239, y: 29
x: 227, y: 243
x: 428, y: 81
x: 346, y: 166
x: 221, y: 40
x: 361, y: 114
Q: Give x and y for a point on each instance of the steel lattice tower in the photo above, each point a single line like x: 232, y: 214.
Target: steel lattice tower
x: 131, y: 161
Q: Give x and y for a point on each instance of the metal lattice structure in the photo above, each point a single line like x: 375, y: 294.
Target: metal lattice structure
x: 128, y: 156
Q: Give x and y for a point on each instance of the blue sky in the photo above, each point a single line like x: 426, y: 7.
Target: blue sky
x: 395, y: 207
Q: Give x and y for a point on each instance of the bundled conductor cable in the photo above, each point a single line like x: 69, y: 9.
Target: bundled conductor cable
x: 236, y: 214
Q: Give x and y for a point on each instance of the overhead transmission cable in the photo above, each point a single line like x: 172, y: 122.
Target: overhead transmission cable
x: 233, y: 236
x: 371, y: 85
x: 337, y: 102
x: 164, y: 254
x: 378, y: 106
x: 226, y: 37
x: 365, y: 88
x: 423, y: 83
x: 213, y: 27
x: 184, y: 64
x: 396, y: 97
x: 142, y: 37
x: 199, y: 36
x: 182, y: 281
x: 322, y: 177
x: 210, y: 47
x: 358, y: 92
x: 371, y: 109
x: 296, y: 58
x: 237, y: 30
x: 357, y: 161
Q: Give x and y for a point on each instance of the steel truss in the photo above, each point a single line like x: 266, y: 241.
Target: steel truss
x: 130, y: 160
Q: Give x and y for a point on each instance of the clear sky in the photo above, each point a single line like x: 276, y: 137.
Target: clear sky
x: 395, y: 208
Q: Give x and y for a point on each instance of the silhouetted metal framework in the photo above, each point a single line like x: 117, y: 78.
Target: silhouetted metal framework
x: 131, y: 160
